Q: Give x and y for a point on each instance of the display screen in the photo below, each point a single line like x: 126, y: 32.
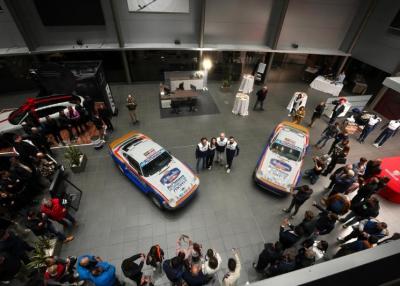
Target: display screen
x: 70, y: 12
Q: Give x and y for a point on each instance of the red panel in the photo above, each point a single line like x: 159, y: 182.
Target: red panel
x: 389, y: 105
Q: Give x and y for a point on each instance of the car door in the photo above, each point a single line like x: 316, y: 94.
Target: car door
x: 134, y: 175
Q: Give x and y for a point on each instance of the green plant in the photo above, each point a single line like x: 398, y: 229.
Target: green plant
x: 38, y: 259
x: 73, y: 155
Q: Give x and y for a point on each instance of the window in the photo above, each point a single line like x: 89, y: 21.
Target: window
x: 157, y: 164
x: 285, y: 151
x: 134, y: 164
x: 41, y: 113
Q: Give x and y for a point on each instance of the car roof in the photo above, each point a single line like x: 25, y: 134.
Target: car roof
x: 141, y: 148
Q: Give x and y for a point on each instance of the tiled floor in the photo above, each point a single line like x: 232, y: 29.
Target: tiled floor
x: 116, y: 220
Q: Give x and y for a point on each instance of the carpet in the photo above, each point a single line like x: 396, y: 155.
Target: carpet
x: 205, y: 105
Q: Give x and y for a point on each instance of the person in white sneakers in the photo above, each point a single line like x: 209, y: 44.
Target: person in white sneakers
x: 232, y: 150
x: 212, y: 263
x: 234, y: 267
x: 201, y: 154
x: 389, y: 131
x: 221, y: 144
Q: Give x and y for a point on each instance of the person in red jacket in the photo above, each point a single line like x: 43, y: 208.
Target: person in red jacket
x: 56, y: 211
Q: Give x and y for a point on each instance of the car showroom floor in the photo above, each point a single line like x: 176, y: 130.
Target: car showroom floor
x: 117, y: 221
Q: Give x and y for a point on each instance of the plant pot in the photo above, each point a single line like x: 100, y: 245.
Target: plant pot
x: 82, y: 164
x: 225, y: 88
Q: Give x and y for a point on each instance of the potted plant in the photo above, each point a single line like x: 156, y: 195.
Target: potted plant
x: 77, y: 160
x: 44, y: 248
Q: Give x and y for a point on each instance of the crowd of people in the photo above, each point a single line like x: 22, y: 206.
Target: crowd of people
x: 349, y: 200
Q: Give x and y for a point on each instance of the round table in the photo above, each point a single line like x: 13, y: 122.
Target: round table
x: 241, y: 104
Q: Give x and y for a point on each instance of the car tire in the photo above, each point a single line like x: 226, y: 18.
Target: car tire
x: 155, y: 201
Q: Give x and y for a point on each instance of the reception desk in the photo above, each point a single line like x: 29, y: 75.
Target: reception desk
x: 190, y: 78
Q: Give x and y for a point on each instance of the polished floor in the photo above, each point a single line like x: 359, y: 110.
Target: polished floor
x: 117, y: 221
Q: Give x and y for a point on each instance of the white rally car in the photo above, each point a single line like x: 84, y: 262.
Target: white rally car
x: 167, y: 181
x: 278, y: 169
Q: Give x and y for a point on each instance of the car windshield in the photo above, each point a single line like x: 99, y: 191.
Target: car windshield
x: 156, y: 164
x: 285, y: 151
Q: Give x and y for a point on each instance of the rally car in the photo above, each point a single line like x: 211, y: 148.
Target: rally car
x: 278, y: 169
x: 11, y: 120
x: 168, y: 182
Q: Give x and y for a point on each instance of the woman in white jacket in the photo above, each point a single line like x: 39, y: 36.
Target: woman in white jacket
x: 212, y: 262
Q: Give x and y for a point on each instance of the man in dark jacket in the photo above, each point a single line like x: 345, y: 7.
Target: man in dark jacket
x: 269, y: 255
x: 365, y: 229
x: 195, y: 276
x: 339, y: 138
x: 261, y: 95
x: 373, y: 168
x: 9, y: 267
x: 337, y: 110
x: 174, y: 269
x: 105, y: 115
x: 364, y: 210
x: 289, y: 234
x: 300, y: 195
x: 356, y: 246
x: 319, y: 109
x: 343, y: 183
x: 132, y: 270
x: 325, y: 222
x: 372, y: 187
x: 329, y: 132
x: 40, y: 141
x: 26, y: 151
x: 14, y: 246
x: 285, y: 264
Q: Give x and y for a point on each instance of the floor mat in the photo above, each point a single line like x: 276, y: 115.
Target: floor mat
x: 205, y: 105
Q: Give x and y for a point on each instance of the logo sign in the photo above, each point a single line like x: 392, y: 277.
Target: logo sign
x: 169, y: 177
x: 281, y: 165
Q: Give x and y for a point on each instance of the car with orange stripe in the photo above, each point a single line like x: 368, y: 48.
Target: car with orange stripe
x: 167, y: 181
x: 279, y: 167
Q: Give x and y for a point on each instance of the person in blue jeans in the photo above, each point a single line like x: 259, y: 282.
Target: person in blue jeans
x: 371, y: 124
x: 201, y: 154
x: 391, y: 129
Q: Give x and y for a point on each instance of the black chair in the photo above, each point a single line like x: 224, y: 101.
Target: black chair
x: 193, y: 87
x: 175, y: 106
x: 181, y: 86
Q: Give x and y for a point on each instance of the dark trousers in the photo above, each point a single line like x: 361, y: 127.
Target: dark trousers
x: 324, y: 138
x: 68, y: 221
x: 51, y: 229
x: 201, y: 162
x: 385, y: 135
x: 210, y: 159
x: 365, y: 132
x: 57, y: 136
x: 259, y: 102
x: 331, y: 166
x: 333, y: 118
x: 107, y: 121
x: 296, y: 205
x: 229, y: 160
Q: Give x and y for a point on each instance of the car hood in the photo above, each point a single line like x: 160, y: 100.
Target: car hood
x: 5, y: 125
x: 174, y: 181
x: 278, y: 170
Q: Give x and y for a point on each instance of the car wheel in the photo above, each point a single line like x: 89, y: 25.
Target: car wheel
x: 156, y: 202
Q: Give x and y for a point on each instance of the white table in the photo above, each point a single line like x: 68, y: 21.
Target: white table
x: 325, y: 85
x: 246, y: 86
x: 241, y: 104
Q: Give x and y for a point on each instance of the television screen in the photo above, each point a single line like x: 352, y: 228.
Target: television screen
x: 70, y: 12
x: 396, y: 22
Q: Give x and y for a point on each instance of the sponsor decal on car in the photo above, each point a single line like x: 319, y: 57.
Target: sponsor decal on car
x: 281, y: 165
x: 173, y: 182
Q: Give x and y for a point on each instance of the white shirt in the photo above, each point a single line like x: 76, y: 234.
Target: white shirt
x: 393, y: 125
x: 203, y: 148
x: 373, y: 121
x: 233, y: 276
x: 206, y: 268
x: 232, y: 146
x: 222, y: 142
x: 318, y: 252
x: 341, y: 78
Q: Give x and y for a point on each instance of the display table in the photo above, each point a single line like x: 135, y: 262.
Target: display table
x: 241, y: 104
x: 178, y: 95
x: 391, y: 168
x: 246, y: 86
x: 325, y: 85
x: 188, y: 78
